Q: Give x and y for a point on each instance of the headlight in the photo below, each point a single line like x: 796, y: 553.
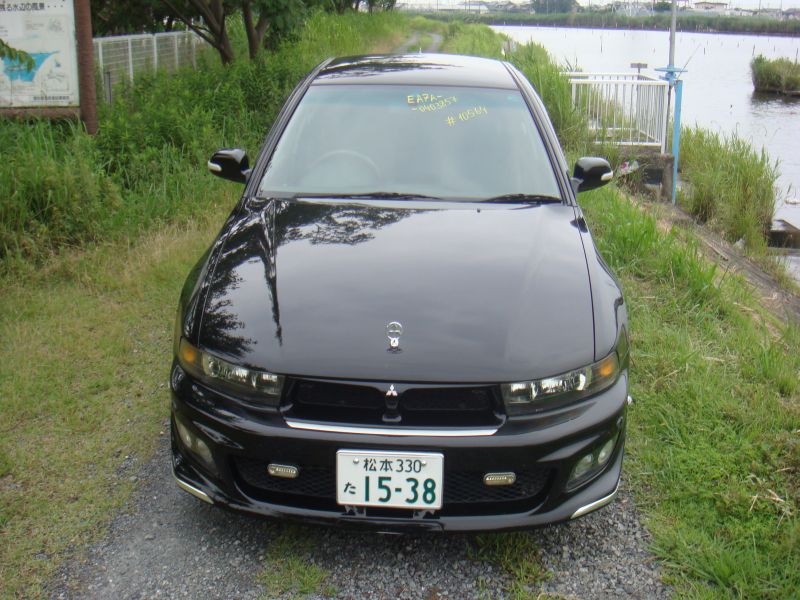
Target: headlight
x: 526, y: 397
x: 260, y: 386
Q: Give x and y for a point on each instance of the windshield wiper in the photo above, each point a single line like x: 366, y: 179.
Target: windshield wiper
x: 370, y: 196
x: 524, y: 198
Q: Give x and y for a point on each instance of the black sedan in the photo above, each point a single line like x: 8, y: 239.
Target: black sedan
x: 404, y: 323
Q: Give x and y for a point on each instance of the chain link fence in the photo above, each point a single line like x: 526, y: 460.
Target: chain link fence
x: 124, y: 57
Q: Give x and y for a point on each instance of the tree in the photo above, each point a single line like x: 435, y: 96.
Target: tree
x: 662, y: 7
x: 213, y: 28
x: 111, y: 17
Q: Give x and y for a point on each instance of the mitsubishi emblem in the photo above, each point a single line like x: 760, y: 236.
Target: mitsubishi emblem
x: 393, y: 331
x: 392, y: 392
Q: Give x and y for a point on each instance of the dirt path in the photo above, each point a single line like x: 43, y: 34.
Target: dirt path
x: 167, y: 544
x: 412, y: 44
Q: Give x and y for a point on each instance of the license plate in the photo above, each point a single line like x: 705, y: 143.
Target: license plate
x: 389, y: 479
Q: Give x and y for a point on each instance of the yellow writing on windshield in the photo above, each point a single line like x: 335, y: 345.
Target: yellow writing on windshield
x: 425, y: 102
x: 466, y: 115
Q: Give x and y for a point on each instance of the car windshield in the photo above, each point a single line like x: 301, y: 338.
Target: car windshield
x: 437, y: 141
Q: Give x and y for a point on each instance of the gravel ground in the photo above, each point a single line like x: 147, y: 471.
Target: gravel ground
x: 168, y: 544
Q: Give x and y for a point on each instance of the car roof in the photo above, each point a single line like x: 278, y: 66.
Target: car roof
x: 417, y: 69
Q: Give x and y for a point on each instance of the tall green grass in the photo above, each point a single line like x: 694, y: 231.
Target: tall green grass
x: 731, y: 185
x: 712, y: 448
x: 63, y: 188
x: 660, y: 22
x: 780, y: 76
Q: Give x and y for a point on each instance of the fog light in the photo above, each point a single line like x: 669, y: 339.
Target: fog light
x: 285, y: 471
x: 605, y: 451
x: 583, y: 466
x: 195, y: 445
x: 499, y: 478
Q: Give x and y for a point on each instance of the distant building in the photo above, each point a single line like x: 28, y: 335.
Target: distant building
x: 711, y: 7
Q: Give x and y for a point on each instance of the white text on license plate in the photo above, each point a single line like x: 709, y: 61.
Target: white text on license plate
x: 390, y: 479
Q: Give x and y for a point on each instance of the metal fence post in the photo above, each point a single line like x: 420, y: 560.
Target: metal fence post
x: 107, y: 86
x: 99, y: 54
x: 154, y: 41
x: 130, y: 59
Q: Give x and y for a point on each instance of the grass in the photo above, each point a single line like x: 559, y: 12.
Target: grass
x: 713, y: 450
x: 731, y: 186
x: 518, y: 556
x: 288, y: 569
x: 780, y: 76
x: 99, y: 235
x: 83, y: 370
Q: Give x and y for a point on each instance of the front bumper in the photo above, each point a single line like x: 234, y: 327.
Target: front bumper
x: 545, y: 448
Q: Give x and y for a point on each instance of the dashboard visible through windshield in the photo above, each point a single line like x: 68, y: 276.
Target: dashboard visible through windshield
x: 437, y: 141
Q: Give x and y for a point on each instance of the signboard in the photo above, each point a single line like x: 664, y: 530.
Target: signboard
x: 46, y: 31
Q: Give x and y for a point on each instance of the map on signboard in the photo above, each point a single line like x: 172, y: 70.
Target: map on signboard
x: 46, y: 31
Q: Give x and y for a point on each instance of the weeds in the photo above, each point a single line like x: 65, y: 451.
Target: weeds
x: 287, y: 568
x: 518, y: 556
x: 780, y: 76
x: 731, y: 186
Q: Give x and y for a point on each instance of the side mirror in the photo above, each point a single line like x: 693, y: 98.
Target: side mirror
x: 592, y: 172
x: 230, y: 163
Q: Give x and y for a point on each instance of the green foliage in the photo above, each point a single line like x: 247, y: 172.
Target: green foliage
x: 780, y: 75
x: 661, y: 22
x: 731, y: 185
x: 518, y: 556
x: 287, y: 568
x: 65, y: 188
x: 710, y: 445
x: 112, y: 17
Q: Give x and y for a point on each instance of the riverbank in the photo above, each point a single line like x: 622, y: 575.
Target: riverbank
x: 659, y: 22
x: 779, y: 76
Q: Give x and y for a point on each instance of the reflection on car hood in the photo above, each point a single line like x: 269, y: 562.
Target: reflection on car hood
x: 483, y: 293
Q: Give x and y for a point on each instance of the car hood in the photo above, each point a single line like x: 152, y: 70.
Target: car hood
x: 484, y: 293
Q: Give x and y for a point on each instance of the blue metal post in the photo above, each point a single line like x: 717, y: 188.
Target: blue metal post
x: 672, y: 74
x: 676, y: 139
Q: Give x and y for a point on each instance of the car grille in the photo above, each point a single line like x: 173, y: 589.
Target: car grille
x: 371, y: 404
x: 464, y: 491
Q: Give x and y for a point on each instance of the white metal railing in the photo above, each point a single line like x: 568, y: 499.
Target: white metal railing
x: 123, y: 57
x: 623, y: 108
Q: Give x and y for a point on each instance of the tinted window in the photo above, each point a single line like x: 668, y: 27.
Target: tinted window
x: 448, y: 142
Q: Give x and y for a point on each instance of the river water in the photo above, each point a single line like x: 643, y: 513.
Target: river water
x: 717, y: 91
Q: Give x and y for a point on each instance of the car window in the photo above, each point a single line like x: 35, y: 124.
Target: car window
x: 447, y: 142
